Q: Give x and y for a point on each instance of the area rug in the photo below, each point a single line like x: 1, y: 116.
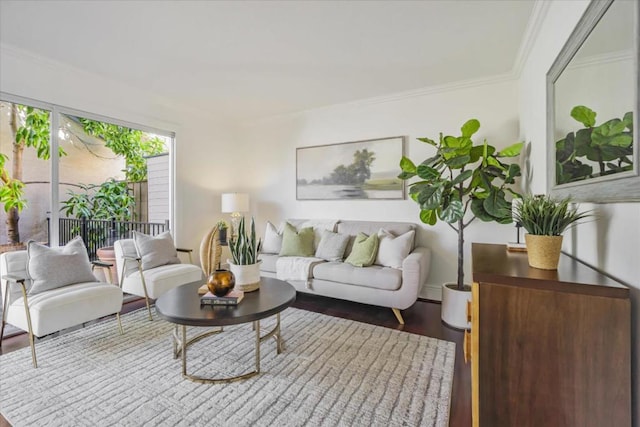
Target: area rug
x: 333, y: 372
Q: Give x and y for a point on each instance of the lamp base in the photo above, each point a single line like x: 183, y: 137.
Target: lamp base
x: 516, y: 247
x: 235, y: 222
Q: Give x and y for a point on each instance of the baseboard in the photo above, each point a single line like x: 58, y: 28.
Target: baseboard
x: 431, y: 292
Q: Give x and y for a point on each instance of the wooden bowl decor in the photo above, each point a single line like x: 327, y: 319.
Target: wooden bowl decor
x: 221, y: 282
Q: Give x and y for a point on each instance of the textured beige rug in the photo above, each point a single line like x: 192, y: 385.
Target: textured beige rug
x: 333, y: 372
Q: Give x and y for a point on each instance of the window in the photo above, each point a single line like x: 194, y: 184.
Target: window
x: 106, y: 178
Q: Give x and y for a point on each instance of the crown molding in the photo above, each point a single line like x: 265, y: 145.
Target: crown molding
x: 534, y: 26
x: 383, y: 99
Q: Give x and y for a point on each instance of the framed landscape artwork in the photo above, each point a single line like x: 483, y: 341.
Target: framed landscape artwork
x: 352, y: 170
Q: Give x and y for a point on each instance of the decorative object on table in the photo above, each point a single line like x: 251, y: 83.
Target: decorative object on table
x: 244, y: 251
x: 518, y: 245
x: 222, y: 229
x: 460, y: 176
x: 545, y: 219
x: 210, y: 251
x: 352, y: 170
x: 221, y: 282
x: 232, y: 298
x: 235, y: 204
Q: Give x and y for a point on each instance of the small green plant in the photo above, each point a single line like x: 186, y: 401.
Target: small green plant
x: 244, y: 247
x: 222, y: 225
x: 110, y: 200
x: 543, y: 216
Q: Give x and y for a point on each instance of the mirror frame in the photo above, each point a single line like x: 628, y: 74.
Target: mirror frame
x: 612, y: 188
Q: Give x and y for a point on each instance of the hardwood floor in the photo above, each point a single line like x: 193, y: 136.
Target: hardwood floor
x: 422, y: 318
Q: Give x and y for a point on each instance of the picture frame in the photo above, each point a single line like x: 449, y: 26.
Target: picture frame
x: 571, y: 167
x: 357, y: 170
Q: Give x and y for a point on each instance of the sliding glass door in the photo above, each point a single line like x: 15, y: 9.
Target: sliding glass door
x: 25, y: 172
x: 106, y: 178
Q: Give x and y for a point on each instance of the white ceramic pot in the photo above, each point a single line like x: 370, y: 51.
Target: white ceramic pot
x: 454, y: 305
x: 247, y: 276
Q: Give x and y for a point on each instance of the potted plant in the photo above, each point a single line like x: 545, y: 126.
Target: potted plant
x: 545, y: 219
x: 222, y: 230
x: 244, y: 251
x: 460, y: 177
x: 112, y: 200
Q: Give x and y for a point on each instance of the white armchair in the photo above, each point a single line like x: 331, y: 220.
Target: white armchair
x: 53, y: 308
x: 152, y: 268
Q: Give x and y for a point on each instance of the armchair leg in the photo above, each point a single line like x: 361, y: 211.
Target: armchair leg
x: 146, y: 299
x: 144, y: 288
x: 398, y: 315
x: 5, y: 306
x: 119, y: 324
x: 31, y: 339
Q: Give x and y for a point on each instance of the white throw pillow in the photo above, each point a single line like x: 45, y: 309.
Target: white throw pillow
x: 332, y: 246
x: 393, y: 250
x: 51, y: 268
x: 272, y: 242
x: 155, y: 251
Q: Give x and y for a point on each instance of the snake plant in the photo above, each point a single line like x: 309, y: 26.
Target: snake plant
x: 244, y: 247
x: 543, y: 216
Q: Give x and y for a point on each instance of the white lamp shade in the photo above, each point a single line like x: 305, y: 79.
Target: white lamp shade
x: 235, y: 202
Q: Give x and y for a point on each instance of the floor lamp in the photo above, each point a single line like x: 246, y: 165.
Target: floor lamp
x: 235, y: 203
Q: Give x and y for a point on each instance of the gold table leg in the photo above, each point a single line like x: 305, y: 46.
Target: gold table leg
x: 180, y: 345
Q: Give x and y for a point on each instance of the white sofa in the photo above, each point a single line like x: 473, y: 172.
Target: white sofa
x: 377, y: 285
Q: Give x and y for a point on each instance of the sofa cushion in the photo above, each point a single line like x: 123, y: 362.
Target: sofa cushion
x: 318, y: 225
x: 297, y: 242
x: 332, y: 246
x: 272, y: 242
x: 51, y: 268
x: 161, y: 279
x: 372, y: 277
x: 65, y: 307
x: 268, y: 262
x: 352, y: 228
x: 155, y: 251
x: 393, y: 250
x: 364, y: 250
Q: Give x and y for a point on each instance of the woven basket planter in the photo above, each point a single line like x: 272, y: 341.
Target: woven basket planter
x: 543, y: 251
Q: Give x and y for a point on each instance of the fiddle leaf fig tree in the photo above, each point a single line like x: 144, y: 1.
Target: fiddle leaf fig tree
x: 460, y: 177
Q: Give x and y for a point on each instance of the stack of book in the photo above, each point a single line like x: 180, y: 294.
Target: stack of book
x: 232, y: 298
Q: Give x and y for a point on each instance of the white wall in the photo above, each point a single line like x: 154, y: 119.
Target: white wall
x: 269, y: 150
x: 611, y: 242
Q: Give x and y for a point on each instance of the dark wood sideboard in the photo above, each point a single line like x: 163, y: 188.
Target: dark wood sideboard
x: 547, y: 348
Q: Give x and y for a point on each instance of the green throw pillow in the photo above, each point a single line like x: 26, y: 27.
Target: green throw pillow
x: 297, y: 243
x: 364, y: 250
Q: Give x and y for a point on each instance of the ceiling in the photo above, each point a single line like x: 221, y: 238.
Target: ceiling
x: 245, y: 60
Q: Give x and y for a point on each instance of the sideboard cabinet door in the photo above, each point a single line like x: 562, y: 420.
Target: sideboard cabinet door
x: 548, y: 355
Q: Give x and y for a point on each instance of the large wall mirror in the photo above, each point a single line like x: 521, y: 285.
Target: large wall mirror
x: 592, y: 107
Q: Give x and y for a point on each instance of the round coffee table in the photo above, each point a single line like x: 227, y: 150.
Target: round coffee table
x: 181, y: 306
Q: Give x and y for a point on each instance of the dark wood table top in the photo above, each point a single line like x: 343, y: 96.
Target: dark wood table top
x: 181, y: 305
x: 494, y: 264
